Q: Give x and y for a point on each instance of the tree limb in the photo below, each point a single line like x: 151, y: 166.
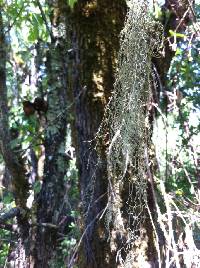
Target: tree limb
x: 13, y: 212
x: 45, y: 19
x: 15, y: 19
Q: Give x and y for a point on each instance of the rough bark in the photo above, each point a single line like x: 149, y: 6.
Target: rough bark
x: 50, y: 201
x: 13, y: 160
x: 95, y: 33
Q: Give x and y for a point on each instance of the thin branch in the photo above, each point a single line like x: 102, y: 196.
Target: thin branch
x: 15, y: 19
x: 192, y: 10
x: 8, y: 240
x: 9, y: 227
x: 156, y: 236
x: 45, y: 19
x: 182, y: 19
x: 9, y: 215
x: 81, y: 239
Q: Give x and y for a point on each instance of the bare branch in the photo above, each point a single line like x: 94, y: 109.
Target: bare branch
x: 45, y: 19
x: 9, y: 215
x: 15, y: 19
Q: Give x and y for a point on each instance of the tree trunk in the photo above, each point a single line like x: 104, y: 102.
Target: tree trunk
x: 96, y: 29
x: 50, y: 203
x: 14, y: 163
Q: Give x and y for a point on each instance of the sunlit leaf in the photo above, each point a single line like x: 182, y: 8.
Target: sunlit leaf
x: 71, y: 3
x: 178, y: 35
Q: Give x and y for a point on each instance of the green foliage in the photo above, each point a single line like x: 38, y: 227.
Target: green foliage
x: 71, y: 181
x: 177, y: 145
x: 5, y: 237
x: 175, y: 34
x: 71, y: 3
x: 37, y: 28
x: 27, y: 128
x: 184, y: 72
x: 37, y: 187
x: 157, y: 11
x: 180, y: 129
x: 67, y: 245
x: 176, y: 138
x: 8, y: 199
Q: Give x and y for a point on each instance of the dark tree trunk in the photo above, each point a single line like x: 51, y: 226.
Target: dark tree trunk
x: 50, y: 204
x: 96, y: 29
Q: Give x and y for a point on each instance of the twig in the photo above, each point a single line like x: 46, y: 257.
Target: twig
x: 9, y: 215
x: 8, y: 240
x: 80, y: 240
x: 8, y: 227
x: 171, y: 240
x: 182, y: 19
x: 192, y: 10
x: 6, y: 261
x: 45, y: 19
x: 15, y: 19
x: 156, y: 235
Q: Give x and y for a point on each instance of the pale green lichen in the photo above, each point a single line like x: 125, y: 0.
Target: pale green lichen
x: 126, y: 118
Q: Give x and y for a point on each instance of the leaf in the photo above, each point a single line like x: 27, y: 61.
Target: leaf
x: 14, y: 143
x: 33, y: 35
x: 37, y: 187
x: 180, y: 35
x: 34, y: 31
x: 37, y: 19
x: 158, y: 11
x: 71, y: 3
x: 8, y: 198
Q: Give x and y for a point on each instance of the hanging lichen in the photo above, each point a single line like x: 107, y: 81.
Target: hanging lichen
x: 126, y: 120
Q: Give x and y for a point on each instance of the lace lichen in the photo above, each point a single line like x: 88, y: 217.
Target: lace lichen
x: 126, y: 120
